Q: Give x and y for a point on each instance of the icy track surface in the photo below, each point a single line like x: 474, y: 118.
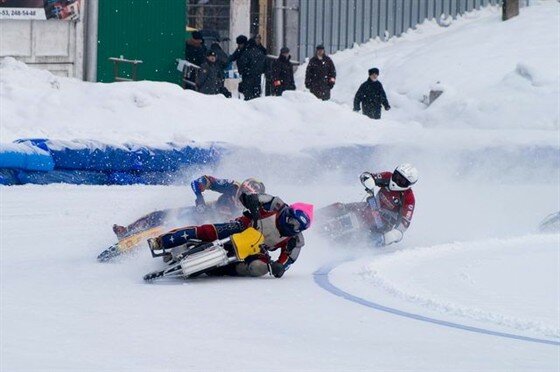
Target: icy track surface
x: 67, y: 311
x: 487, y: 152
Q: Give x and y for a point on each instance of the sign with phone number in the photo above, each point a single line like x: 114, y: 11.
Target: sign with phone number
x: 22, y: 13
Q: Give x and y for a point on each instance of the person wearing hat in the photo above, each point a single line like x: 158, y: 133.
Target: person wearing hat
x: 251, y: 65
x: 282, y: 73
x: 210, y: 77
x: 371, y: 96
x: 320, y: 75
x: 195, y: 50
x: 241, y: 42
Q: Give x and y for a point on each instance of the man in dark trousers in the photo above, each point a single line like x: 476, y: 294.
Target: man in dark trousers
x: 320, y: 75
x: 282, y: 73
x: 210, y: 78
x: 371, y: 96
x: 251, y: 65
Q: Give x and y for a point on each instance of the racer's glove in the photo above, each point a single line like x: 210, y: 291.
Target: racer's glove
x: 250, y: 201
x: 277, y: 269
x: 368, y: 181
x: 200, y: 208
x: 200, y: 205
x: 392, y: 236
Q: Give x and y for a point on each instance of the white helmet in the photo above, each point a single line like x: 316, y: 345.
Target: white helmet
x: 404, y: 176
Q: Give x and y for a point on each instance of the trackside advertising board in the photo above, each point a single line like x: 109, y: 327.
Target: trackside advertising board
x: 68, y: 10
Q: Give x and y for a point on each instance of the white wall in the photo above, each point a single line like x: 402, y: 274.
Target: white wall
x: 239, y: 21
x: 57, y: 46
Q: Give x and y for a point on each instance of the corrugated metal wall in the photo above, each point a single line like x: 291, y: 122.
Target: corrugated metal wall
x: 151, y: 31
x: 338, y: 24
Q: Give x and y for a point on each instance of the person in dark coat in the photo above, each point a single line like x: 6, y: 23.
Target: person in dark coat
x: 210, y: 78
x: 282, y: 73
x: 371, y: 96
x: 320, y: 75
x: 241, y: 42
x: 195, y: 50
x: 251, y: 66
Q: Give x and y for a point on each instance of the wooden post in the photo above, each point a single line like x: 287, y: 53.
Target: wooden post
x: 263, y: 21
x: 510, y: 9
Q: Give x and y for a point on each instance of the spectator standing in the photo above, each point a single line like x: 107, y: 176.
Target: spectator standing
x: 320, y: 75
x: 195, y: 50
x: 210, y: 78
x: 371, y: 96
x: 251, y: 66
x: 282, y: 73
x: 241, y: 42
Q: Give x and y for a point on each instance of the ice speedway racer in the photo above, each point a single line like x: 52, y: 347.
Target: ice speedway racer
x: 239, y: 247
x: 227, y: 206
x: 551, y: 223
x: 382, y: 218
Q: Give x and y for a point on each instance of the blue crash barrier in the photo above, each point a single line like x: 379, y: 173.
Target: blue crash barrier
x: 25, y: 156
x: 76, y: 177
x: 44, y: 161
x: 8, y: 177
x: 96, y: 156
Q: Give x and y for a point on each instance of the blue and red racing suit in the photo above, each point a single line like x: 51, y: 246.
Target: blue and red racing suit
x: 271, y: 209
x: 225, y: 207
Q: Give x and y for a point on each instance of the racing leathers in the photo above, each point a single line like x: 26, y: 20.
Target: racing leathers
x: 226, y: 206
x: 387, y: 215
x: 264, y: 212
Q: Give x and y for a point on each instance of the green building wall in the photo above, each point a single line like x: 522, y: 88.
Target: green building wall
x: 149, y: 30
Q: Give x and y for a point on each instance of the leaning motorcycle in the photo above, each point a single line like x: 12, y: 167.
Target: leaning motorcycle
x: 197, y: 257
x: 348, y: 223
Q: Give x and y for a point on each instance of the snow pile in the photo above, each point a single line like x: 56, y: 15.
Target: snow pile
x: 483, y: 281
x: 495, y: 75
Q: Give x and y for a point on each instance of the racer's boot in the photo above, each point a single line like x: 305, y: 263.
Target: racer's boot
x: 155, y: 244
x: 120, y: 231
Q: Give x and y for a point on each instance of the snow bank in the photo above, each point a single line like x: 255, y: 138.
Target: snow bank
x: 507, y: 283
x: 496, y: 75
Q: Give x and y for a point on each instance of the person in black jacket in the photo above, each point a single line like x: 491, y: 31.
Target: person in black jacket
x: 371, y: 96
x: 210, y: 77
x: 251, y: 65
x: 282, y: 73
x: 241, y: 42
x: 195, y: 50
x: 320, y: 75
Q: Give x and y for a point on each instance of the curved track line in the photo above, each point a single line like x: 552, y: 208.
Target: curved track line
x: 321, y: 278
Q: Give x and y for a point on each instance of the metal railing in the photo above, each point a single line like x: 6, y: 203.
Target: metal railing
x: 338, y: 24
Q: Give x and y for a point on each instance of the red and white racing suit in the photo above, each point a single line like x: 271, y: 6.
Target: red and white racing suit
x: 394, y: 207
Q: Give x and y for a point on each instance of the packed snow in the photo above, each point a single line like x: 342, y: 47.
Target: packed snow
x: 488, y: 155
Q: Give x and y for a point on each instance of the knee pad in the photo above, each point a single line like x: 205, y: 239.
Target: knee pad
x: 257, y: 268
x: 254, y: 268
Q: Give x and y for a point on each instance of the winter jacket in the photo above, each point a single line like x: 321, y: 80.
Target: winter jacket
x: 195, y: 54
x: 371, y: 96
x: 210, y: 78
x: 282, y: 76
x: 251, y: 65
x: 320, y: 77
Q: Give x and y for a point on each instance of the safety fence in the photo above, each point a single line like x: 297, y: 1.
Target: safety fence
x: 43, y: 161
x: 338, y: 24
